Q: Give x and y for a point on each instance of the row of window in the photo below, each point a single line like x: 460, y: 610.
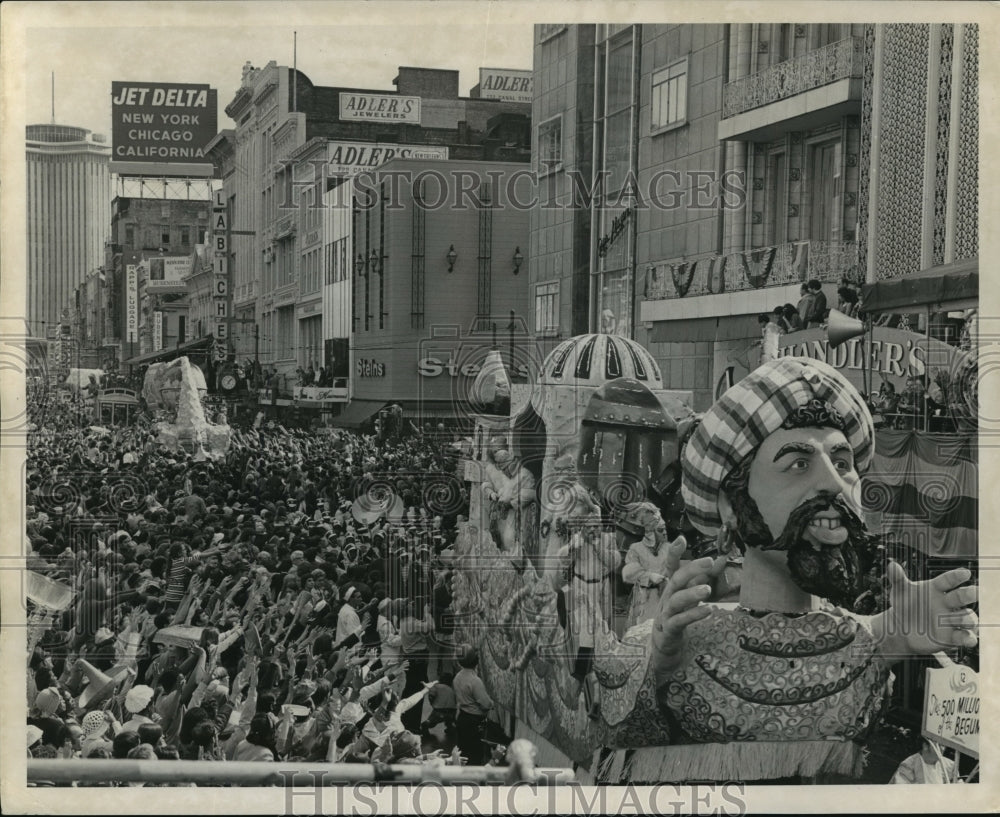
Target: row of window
x: 669, y: 107
x: 162, y: 235
x: 336, y: 264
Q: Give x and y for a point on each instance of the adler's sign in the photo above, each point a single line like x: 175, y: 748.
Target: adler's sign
x: 379, y: 107
x: 505, y: 84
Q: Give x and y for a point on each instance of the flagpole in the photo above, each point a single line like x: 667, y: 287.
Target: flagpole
x: 295, y: 69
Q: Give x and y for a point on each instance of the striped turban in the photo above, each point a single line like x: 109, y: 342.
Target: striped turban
x: 751, y: 411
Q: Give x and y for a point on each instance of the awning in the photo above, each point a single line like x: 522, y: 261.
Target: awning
x: 699, y: 330
x: 738, y: 327
x: 174, y: 352
x: 431, y: 409
x: 938, y: 286
x: 685, y: 331
x: 356, y: 413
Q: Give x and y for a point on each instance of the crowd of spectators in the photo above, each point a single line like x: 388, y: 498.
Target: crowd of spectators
x: 264, y: 606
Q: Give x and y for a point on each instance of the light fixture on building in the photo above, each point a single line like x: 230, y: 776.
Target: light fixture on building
x: 359, y: 264
x: 518, y: 260
x: 373, y: 260
x: 452, y: 257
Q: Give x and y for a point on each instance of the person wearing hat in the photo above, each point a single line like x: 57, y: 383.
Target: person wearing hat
x: 34, y: 737
x: 349, y: 625
x: 774, y: 469
x: 646, y: 562
x: 474, y: 704
x: 102, y: 651
x: 139, y: 704
x: 45, y: 712
x: 95, y: 725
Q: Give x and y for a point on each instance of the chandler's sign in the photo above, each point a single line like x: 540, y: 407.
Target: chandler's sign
x: 159, y: 122
x: 895, y: 354
x: 358, y: 107
x: 505, y: 85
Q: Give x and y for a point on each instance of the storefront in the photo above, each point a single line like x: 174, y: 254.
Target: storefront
x: 429, y: 378
x: 436, y: 273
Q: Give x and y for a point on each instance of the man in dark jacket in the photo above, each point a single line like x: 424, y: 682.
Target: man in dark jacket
x: 817, y: 310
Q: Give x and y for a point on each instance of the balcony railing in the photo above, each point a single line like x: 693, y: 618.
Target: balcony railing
x: 815, y: 69
x: 781, y: 265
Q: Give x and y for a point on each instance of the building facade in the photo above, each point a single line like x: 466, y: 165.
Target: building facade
x: 68, y: 198
x: 157, y: 237
x: 295, y: 143
x: 733, y: 163
x: 918, y: 201
x: 563, y: 159
x: 436, y: 281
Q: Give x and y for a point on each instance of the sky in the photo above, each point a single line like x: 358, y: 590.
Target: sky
x: 357, y: 51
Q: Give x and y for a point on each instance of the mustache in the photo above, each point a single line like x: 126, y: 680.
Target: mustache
x: 799, y: 519
x: 832, y: 572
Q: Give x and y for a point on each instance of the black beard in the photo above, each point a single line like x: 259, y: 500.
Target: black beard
x: 831, y: 572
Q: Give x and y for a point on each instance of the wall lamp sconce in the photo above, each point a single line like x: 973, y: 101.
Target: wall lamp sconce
x: 452, y: 257
x: 518, y: 260
x: 373, y: 260
x: 359, y: 264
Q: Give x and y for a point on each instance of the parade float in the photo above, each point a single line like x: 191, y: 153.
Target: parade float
x: 556, y: 470
x: 174, y: 393
x: 564, y: 470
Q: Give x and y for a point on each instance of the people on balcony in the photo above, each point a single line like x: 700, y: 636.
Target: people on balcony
x: 816, y: 313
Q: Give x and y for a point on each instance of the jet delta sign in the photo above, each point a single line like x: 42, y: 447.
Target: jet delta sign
x: 155, y: 125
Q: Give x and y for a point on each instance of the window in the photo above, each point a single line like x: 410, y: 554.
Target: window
x: 784, y: 45
x: 547, y: 309
x: 550, y: 145
x: 130, y: 236
x: 613, y: 304
x: 185, y: 235
x: 618, y: 113
x: 201, y: 235
x: 164, y: 233
x: 830, y: 33
x: 777, y: 200
x: 670, y: 96
x: 823, y: 181
x: 546, y: 31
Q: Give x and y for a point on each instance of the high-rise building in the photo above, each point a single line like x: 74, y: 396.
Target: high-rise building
x: 68, y: 210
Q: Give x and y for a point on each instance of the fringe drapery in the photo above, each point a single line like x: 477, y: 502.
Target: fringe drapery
x: 750, y: 760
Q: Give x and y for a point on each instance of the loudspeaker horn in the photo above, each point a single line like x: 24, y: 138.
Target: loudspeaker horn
x: 841, y: 328
x: 99, y: 687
